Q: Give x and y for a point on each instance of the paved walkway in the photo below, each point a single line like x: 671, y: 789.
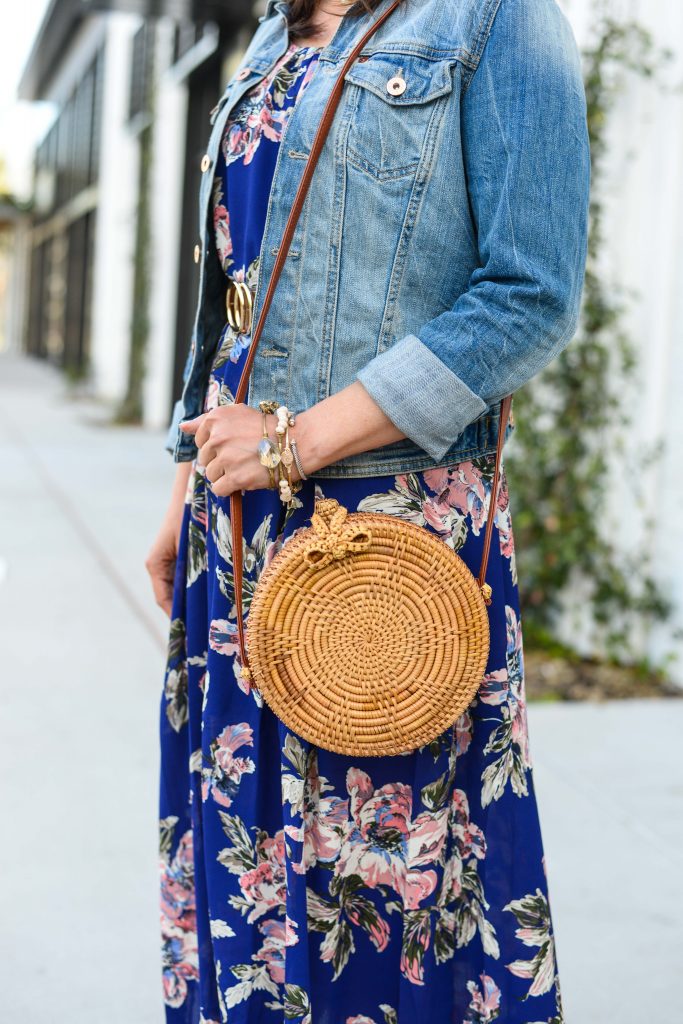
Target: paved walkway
x: 82, y: 646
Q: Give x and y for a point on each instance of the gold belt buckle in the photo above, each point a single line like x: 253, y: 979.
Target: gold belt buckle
x: 239, y: 302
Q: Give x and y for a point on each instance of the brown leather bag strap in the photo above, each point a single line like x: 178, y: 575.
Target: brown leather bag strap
x: 316, y: 148
x: 505, y: 405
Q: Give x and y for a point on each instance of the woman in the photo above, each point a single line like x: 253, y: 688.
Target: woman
x: 437, y: 266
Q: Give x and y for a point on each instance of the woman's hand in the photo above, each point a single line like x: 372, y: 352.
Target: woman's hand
x: 345, y: 423
x: 227, y: 438
x: 161, y: 560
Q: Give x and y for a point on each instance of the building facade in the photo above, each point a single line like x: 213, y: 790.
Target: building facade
x: 116, y: 178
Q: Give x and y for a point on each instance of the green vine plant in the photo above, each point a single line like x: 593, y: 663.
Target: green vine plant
x: 573, y: 415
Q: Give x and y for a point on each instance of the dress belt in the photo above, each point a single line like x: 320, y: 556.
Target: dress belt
x: 239, y: 303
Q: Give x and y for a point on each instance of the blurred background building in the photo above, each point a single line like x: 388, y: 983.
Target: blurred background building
x: 101, y: 258
x: 111, y: 279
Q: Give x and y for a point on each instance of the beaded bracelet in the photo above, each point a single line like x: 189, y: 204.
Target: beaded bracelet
x: 286, y: 485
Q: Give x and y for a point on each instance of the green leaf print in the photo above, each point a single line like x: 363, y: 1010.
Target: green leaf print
x: 242, y: 856
x: 416, y: 938
x: 322, y: 914
x: 196, y: 553
x: 508, y: 768
x: 444, y: 936
x: 175, y: 692
x: 176, y: 640
x: 297, y: 1004
x: 435, y: 795
x: 166, y: 830
x: 533, y: 917
x: 390, y: 1015
x: 253, y: 978
x: 337, y: 947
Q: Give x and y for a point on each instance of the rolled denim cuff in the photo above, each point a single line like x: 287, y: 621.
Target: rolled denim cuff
x: 418, y: 392
x: 176, y: 417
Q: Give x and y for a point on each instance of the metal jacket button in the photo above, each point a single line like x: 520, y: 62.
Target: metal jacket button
x: 206, y: 163
x: 396, y: 86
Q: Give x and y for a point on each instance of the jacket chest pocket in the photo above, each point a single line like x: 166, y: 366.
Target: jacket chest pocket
x: 398, y: 101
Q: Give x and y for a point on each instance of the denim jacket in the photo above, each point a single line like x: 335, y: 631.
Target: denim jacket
x: 440, y: 254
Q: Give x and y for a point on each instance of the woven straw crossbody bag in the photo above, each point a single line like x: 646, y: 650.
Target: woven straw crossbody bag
x: 367, y: 635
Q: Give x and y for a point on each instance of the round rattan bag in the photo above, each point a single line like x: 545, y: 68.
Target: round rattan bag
x: 367, y: 635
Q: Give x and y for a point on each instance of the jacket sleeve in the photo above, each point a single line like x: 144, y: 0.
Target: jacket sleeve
x: 527, y: 164
x: 178, y: 412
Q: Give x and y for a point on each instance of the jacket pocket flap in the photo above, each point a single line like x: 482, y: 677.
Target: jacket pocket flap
x: 424, y: 79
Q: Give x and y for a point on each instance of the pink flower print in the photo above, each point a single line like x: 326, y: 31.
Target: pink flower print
x: 225, y: 771
x: 382, y: 845
x: 437, y: 480
x: 435, y: 510
x: 426, y: 837
x: 516, y: 695
x: 223, y: 637
x: 504, y: 520
x: 178, y: 923
x: 323, y: 820
x: 265, y: 886
x: 360, y: 1019
x: 469, y: 837
x: 419, y: 885
x: 255, y: 120
x: 376, y: 847
x: 221, y: 226
x: 177, y: 885
x: 212, y: 398
x: 494, y: 688
x: 278, y: 935
x: 485, y: 1004
x: 463, y: 733
x: 467, y: 491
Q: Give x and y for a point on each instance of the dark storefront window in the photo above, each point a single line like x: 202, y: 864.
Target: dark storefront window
x: 66, y: 165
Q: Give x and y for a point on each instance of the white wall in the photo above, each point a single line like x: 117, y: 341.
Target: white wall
x: 644, y: 256
x: 166, y: 211
x: 116, y: 218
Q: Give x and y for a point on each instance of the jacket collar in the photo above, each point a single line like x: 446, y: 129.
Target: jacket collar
x: 274, y: 5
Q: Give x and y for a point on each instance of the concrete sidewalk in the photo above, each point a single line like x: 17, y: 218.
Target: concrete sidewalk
x: 83, y: 650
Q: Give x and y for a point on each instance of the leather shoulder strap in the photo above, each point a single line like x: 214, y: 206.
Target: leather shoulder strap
x: 505, y: 405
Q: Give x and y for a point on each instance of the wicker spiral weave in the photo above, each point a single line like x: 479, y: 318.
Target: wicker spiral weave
x: 367, y: 635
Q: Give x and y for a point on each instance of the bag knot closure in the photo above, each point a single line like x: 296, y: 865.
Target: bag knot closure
x: 335, y: 536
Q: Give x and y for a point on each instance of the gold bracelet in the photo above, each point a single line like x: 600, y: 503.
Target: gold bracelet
x: 267, y: 451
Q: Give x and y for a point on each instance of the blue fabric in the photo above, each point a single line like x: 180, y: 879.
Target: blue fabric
x: 440, y: 257
x: 297, y: 884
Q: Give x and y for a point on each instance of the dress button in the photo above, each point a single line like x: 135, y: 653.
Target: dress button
x: 396, y: 86
x: 206, y: 163
x: 244, y: 73
x: 197, y: 253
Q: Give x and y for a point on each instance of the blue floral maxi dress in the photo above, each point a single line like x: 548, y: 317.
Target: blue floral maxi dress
x: 300, y: 885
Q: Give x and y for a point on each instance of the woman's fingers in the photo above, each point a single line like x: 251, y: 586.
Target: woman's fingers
x: 223, y: 487
x: 206, y: 454
x: 214, y: 469
x: 161, y: 572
